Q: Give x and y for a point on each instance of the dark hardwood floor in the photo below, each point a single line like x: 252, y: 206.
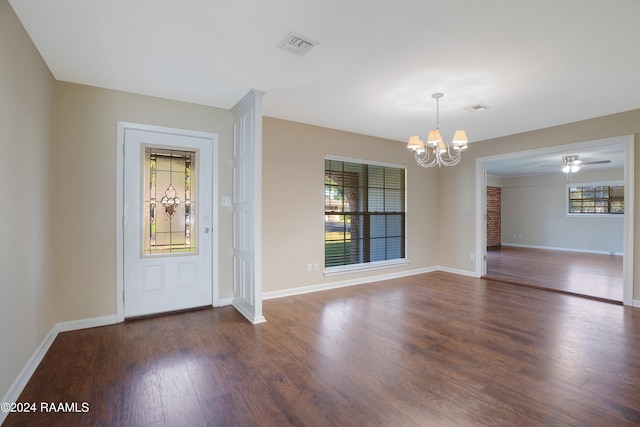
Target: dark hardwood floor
x: 591, y: 275
x: 429, y: 350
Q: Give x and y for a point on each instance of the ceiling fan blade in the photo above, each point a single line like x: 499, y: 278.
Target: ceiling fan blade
x: 599, y: 162
x: 550, y: 166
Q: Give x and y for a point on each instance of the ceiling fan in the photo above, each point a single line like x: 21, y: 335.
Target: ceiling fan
x: 572, y: 164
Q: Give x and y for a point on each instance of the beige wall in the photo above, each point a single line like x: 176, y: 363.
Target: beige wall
x: 26, y: 139
x: 494, y: 181
x: 293, y: 201
x: 85, y: 187
x: 535, y: 209
x: 458, y: 195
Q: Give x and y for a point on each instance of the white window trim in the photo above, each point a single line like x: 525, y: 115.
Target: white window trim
x: 368, y: 266
x: 376, y: 265
x: 364, y: 161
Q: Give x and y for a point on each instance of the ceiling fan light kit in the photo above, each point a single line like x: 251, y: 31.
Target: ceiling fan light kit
x: 570, y: 165
x: 437, y: 151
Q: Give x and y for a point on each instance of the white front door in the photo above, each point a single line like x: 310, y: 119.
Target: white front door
x: 167, y: 224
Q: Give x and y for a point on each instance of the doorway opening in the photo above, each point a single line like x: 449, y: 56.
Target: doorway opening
x: 540, y: 242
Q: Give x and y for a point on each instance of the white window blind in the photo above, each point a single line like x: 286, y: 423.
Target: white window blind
x: 364, y: 213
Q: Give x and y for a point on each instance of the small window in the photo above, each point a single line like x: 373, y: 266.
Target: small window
x: 364, y: 213
x: 596, y: 199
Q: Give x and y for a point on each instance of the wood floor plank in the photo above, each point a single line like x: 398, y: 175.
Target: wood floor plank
x: 588, y: 274
x: 427, y: 350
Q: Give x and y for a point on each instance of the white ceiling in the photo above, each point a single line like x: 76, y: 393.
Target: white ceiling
x: 548, y: 161
x: 535, y: 63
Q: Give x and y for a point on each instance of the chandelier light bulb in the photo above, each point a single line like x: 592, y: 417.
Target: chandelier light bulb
x: 460, y: 140
x: 414, y: 143
x: 434, y: 137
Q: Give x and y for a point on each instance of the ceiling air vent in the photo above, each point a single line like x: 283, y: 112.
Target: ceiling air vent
x: 476, y: 108
x: 297, y: 44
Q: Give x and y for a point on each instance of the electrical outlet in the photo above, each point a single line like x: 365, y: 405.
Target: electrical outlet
x: 309, y: 268
x: 316, y: 267
x: 472, y: 257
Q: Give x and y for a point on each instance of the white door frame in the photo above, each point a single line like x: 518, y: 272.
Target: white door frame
x: 629, y: 215
x: 122, y: 126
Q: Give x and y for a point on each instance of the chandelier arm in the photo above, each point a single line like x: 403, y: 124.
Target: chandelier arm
x: 451, y: 160
x: 432, y: 157
x: 427, y: 159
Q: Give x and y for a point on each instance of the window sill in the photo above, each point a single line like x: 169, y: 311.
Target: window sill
x: 593, y: 215
x: 358, y: 268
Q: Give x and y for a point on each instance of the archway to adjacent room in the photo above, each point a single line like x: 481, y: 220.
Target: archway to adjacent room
x: 541, y: 265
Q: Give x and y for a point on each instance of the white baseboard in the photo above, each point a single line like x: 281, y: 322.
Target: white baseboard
x: 74, y: 325
x: 636, y: 303
x: 552, y: 248
x: 457, y: 271
x: 19, y: 384
x: 343, y: 283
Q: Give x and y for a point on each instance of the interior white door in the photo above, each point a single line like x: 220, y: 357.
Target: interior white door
x: 168, y: 206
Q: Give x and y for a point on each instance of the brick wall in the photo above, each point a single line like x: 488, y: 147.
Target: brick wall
x: 494, y: 214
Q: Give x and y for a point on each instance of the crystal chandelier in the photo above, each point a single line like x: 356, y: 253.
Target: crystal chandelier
x: 437, y: 151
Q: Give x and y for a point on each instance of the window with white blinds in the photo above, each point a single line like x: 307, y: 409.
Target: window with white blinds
x: 364, y: 213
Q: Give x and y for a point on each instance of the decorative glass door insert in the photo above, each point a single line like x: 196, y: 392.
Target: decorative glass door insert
x: 169, y: 201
